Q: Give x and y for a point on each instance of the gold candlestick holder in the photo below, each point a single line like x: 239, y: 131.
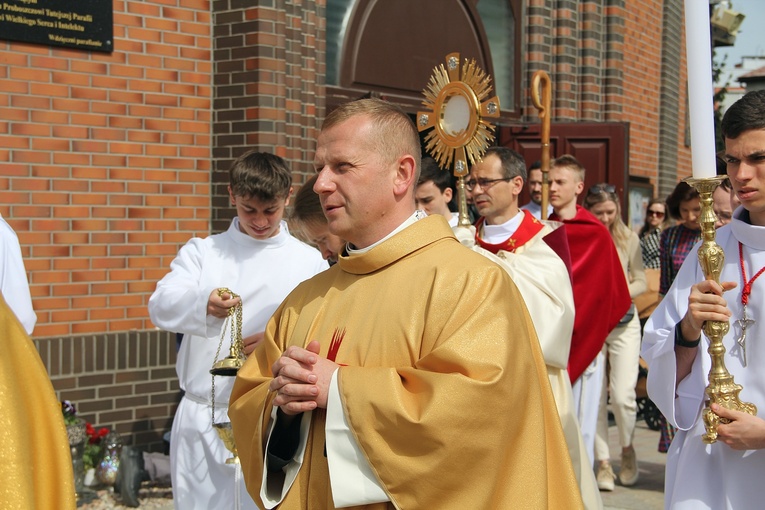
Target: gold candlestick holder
x: 722, y: 389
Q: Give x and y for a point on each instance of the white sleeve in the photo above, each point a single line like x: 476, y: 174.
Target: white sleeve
x: 351, y: 477
x: 272, y: 493
x: 681, y: 404
x: 179, y: 303
x: 13, y: 278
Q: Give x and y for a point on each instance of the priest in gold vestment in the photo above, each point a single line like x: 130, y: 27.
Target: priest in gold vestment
x: 406, y: 376
x: 36, y: 466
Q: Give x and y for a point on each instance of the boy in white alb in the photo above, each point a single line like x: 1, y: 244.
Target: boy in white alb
x: 728, y: 473
x: 260, y: 261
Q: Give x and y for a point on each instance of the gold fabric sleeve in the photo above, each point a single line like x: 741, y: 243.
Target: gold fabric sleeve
x: 36, y: 469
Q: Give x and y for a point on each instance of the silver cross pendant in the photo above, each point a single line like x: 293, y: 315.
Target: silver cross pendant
x: 744, y: 322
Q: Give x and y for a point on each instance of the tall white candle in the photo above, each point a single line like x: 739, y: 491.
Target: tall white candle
x: 700, y: 91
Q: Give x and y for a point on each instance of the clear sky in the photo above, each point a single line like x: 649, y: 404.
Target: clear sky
x: 750, y: 41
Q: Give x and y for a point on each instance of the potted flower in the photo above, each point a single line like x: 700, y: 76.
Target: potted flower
x: 86, y: 444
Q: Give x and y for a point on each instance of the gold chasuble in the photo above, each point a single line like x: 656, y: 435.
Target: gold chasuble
x: 443, y: 382
x: 36, y: 467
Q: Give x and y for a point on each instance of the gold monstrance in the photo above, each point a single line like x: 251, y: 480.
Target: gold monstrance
x: 228, y: 367
x: 457, y: 103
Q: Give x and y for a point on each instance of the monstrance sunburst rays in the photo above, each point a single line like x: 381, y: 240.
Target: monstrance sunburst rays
x: 457, y: 102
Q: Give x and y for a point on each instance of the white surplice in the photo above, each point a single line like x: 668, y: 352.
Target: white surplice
x: 701, y: 476
x: 545, y: 284
x: 13, y: 278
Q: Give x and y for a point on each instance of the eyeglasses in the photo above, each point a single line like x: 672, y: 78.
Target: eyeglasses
x: 599, y: 188
x: 484, y: 183
x: 658, y: 214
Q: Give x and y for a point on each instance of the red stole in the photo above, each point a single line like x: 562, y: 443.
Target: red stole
x: 529, y: 227
x: 601, y: 295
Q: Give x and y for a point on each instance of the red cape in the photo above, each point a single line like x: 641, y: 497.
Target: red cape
x: 601, y: 295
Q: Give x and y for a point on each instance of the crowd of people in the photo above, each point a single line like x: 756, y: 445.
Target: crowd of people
x: 412, y: 362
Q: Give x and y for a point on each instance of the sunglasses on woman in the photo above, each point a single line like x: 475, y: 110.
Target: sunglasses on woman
x: 599, y: 188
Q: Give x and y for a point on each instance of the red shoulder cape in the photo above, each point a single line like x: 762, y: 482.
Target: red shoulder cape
x: 601, y: 295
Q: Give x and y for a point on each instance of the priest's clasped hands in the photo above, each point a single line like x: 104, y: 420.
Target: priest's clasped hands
x: 301, y: 379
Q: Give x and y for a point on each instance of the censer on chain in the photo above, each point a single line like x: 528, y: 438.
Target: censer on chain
x: 228, y: 367
x: 231, y: 364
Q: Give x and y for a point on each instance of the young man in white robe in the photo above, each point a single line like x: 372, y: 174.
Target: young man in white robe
x: 257, y: 259
x: 728, y: 473
x: 533, y: 253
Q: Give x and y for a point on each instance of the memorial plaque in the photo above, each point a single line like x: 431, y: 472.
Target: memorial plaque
x: 80, y: 24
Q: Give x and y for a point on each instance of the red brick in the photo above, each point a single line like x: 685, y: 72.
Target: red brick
x: 88, y: 173
x: 108, y: 108
x: 50, y: 198
x: 81, y: 328
x: 50, y: 144
x: 70, y: 105
x: 29, y: 74
x: 69, y: 132
x: 30, y: 130
x: 14, y: 142
x: 70, y: 159
x: 70, y: 263
x: 91, y: 251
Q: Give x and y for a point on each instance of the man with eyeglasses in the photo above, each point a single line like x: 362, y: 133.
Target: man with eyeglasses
x: 728, y: 473
x: 722, y: 204
x: 535, y: 255
x: 601, y: 295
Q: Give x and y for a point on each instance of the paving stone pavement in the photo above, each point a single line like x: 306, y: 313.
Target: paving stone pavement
x: 648, y: 493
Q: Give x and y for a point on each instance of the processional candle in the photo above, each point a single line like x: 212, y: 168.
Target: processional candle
x: 700, y: 91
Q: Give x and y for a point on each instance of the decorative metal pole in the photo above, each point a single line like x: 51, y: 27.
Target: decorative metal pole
x: 541, y: 79
x: 722, y: 389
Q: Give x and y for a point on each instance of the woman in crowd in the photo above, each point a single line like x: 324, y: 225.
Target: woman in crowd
x: 656, y: 221
x: 675, y: 242
x: 622, y: 346
x: 308, y: 217
x: 684, y: 205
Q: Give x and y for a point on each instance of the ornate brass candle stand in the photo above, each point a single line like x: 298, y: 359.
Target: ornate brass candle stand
x: 722, y: 390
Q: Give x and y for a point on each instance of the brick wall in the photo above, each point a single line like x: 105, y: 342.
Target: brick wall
x: 672, y: 63
x: 109, y: 163
x: 267, y: 96
x: 643, y: 26
x: 617, y: 61
x: 105, y: 165
x: 125, y: 381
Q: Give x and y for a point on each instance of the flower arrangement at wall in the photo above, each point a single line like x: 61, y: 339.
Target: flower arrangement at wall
x: 93, y: 451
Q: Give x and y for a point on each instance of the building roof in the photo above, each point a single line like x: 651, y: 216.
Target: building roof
x: 756, y: 75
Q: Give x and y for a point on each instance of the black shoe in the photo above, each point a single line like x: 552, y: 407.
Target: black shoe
x: 130, y: 476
